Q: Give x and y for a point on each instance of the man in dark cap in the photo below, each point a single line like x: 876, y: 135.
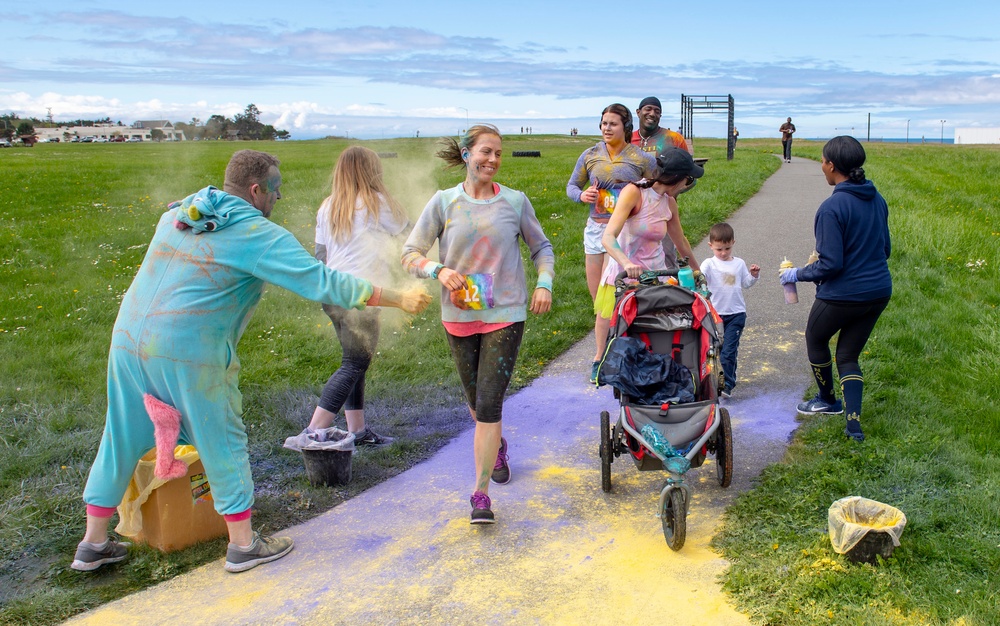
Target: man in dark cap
x: 650, y: 137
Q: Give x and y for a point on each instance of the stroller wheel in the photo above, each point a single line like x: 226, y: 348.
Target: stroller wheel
x: 605, y: 451
x: 724, y: 449
x: 674, y: 519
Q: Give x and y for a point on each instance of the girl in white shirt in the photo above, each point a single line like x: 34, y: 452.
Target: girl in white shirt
x: 357, y: 229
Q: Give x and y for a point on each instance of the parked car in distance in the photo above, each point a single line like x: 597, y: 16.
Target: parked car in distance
x: 87, y: 140
x: 4, y: 143
x: 134, y: 139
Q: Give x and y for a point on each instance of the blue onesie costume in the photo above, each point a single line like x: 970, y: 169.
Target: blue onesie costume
x: 177, y: 331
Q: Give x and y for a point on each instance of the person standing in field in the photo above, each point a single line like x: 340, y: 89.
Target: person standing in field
x: 357, y: 227
x: 484, y: 295
x: 853, y: 283
x: 600, y: 174
x: 173, y: 358
x: 786, y: 130
x: 727, y: 276
x: 650, y: 137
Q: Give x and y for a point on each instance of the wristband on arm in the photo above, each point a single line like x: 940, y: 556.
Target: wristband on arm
x: 383, y: 297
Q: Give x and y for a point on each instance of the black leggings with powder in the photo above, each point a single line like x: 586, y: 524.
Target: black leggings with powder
x: 485, y: 364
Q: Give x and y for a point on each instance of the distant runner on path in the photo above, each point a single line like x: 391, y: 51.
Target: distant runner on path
x: 786, y: 130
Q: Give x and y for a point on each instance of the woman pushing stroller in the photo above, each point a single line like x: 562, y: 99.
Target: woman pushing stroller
x: 646, y: 212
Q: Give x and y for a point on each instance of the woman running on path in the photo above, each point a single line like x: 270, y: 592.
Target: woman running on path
x: 600, y: 174
x: 645, y: 214
x: 484, y: 296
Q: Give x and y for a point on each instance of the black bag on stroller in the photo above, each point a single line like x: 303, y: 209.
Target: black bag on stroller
x: 645, y: 377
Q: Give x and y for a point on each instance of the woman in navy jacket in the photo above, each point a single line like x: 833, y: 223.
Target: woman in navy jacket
x: 853, y: 285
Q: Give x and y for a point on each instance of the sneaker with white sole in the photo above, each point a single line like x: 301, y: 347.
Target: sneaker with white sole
x: 90, y: 556
x: 262, y: 550
x: 819, y: 405
x: 481, y: 512
x: 369, y: 437
x: 501, y: 470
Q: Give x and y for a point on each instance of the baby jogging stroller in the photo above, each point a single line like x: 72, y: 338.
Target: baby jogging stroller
x: 663, y: 361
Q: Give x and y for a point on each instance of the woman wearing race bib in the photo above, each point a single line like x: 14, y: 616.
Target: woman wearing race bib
x: 484, y: 296
x: 600, y: 174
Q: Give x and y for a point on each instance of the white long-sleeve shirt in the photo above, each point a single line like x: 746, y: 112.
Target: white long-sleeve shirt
x: 726, y: 281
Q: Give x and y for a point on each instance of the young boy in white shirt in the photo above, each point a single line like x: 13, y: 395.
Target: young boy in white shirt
x: 727, y: 277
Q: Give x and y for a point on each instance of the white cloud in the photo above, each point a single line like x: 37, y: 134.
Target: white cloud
x: 350, y: 76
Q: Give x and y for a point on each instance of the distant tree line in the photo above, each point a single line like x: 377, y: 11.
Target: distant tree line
x: 245, y: 125
x: 14, y: 126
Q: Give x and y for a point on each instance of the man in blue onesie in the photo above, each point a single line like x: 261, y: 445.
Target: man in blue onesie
x: 174, y: 345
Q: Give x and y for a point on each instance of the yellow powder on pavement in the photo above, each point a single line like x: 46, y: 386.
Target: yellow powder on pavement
x: 568, y: 554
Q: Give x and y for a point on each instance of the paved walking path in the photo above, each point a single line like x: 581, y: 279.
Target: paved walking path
x: 562, y: 551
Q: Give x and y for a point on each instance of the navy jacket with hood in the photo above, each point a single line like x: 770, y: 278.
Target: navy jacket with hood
x: 852, y: 238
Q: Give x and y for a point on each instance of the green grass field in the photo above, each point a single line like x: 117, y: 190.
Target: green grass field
x: 930, y: 412
x: 74, y: 223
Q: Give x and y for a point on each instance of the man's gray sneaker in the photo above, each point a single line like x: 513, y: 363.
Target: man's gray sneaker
x: 262, y: 550
x: 90, y: 556
x: 369, y: 437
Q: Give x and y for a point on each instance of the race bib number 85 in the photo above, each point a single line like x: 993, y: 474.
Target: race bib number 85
x: 606, y: 200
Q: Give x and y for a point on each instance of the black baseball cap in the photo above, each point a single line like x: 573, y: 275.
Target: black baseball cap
x: 676, y: 161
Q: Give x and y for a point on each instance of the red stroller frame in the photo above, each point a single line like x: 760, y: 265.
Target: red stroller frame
x: 682, y: 323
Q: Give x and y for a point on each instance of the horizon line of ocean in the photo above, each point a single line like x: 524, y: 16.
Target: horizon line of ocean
x: 889, y: 140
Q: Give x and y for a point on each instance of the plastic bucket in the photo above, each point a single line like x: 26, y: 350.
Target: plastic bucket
x: 328, y: 467
x: 874, y: 544
x: 863, y: 529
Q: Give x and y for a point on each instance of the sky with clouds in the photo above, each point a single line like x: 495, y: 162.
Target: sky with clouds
x: 380, y: 68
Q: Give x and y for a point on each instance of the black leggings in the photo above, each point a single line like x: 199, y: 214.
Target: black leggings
x: 854, y: 321
x: 485, y: 364
x: 358, y: 335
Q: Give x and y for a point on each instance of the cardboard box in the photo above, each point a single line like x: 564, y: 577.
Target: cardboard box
x: 181, y: 513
